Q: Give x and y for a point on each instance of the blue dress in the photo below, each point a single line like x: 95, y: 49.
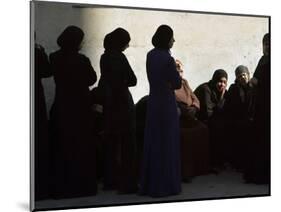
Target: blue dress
x: 161, y: 168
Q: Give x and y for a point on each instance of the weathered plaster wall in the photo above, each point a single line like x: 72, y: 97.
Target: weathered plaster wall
x: 204, y: 42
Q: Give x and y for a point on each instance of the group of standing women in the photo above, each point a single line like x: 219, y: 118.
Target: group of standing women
x: 72, y: 132
x: 72, y: 148
x: 73, y: 142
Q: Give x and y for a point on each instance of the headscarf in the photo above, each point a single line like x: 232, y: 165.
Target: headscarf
x: 107, y: 42
x: 266, y: 38
x: 241, y: 69
x: 266, y: 45
x: 162, y: 37
x: 116, y: 40
x: 218, y: 74
x: 71, y: 38
x: 185, y: 94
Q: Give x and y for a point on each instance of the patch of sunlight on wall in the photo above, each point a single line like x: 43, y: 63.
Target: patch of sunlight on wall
x: 204, y: 42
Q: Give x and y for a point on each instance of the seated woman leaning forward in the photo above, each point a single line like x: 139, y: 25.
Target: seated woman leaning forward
x: 212, y: 98
x: 194, y: 134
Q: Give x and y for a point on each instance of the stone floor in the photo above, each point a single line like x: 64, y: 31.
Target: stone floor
x: 227, y: 183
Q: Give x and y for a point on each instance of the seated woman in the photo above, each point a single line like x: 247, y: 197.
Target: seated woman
x: 239, y: 101
x: 239, y: 110
x: 187, y: 101
x: 212, y: 97
x: 194, y: 134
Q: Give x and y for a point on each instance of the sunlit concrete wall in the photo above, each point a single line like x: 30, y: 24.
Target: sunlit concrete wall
x: 204, y: 42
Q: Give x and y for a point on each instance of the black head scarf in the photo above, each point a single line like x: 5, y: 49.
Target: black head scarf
x: 162, y: 37
x: 218, y: 74
x: 71, y: 38
x: 266, y: 38
x: 266, y: 46
x: 107, y: 42
x: 241, y: 69
x: 116, y: 40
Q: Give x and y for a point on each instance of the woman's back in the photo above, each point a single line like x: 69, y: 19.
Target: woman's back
x: 161, y: 73
x: 73, y: 72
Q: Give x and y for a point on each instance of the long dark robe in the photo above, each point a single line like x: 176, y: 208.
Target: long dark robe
x: 262, y: 111
x: 212, y: 113
x: 239, y: 110
x: 42, y: 177
x: 194, y: 135
x: 194, y: 140
x: 73, y: 145
x: 161, y: 169
x: 119, y: 122
x: 258, y: 166
x: 239, y: 102
x: 98, y: 123
x: 141, y: 108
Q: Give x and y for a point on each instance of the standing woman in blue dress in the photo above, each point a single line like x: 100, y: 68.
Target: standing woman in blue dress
x: 161, y: 174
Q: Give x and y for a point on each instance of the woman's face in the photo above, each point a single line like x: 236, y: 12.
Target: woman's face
x: 171, y: 43
x: 242, y: 79
x: 221, y: 84
x: 179, y: 68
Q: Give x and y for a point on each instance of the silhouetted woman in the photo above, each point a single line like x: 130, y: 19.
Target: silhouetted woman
x: 212, y: 98
x: 239, y: 110
x: 161, y: 169
x: 42, y: 70
x: 194, y: 134
x: 119, y: 114
x: 259, y: 163
x: 73, y: 145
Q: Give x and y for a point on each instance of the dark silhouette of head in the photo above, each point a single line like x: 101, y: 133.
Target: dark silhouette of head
x: 265, y: 38
x: 107, y: 41
x: 117, y: 40
x: 70, y: 39
x: 162, y: 37
x: 266, y: 44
